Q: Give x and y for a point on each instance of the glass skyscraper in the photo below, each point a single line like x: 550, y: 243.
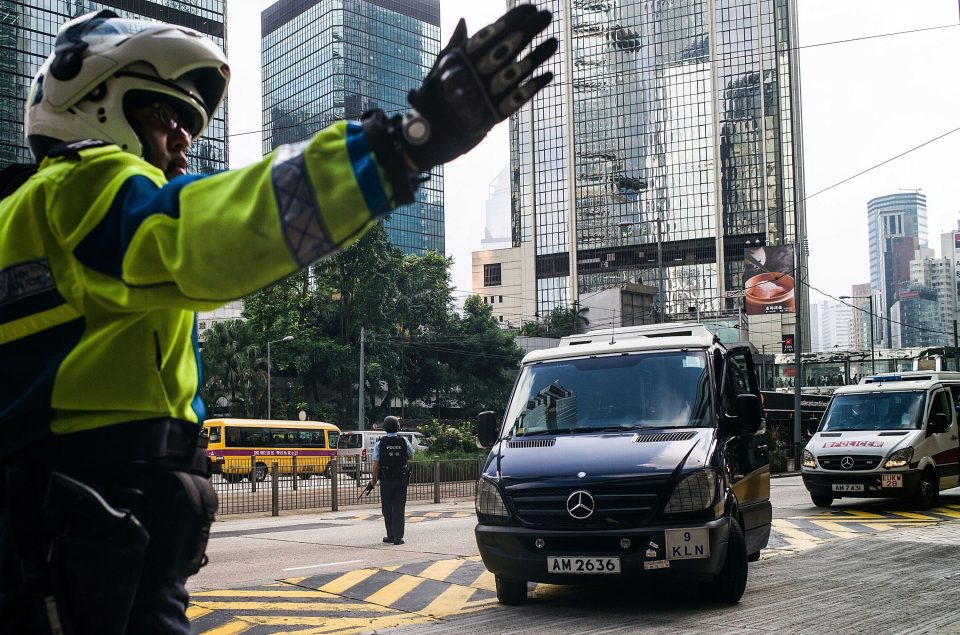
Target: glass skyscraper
x: 668, y: 141
x: 327, y: 60
x: 27, y: 33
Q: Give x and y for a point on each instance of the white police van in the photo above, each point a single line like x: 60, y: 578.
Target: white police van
x: 889, y: 436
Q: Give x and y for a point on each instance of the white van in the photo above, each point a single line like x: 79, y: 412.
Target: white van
x: 890, y: 435
x: 353, y: 446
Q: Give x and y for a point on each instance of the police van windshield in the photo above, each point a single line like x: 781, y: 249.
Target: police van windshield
x: 614, y: 392
x: 874, y: 411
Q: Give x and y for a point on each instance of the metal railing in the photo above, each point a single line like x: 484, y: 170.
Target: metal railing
x: 282, y: 484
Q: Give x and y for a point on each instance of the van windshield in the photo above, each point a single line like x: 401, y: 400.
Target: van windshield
x: 614, y: 392
x: 874, y: 411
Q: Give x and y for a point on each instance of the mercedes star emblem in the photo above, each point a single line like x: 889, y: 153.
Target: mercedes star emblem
x: 846, y: 462
x: 580, y: 504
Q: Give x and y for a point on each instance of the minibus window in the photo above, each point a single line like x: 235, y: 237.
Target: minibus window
x: 214, y: 434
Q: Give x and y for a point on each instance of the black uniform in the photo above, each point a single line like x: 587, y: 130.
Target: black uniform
x: 394, y: 477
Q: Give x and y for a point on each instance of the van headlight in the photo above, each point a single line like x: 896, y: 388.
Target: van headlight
x: 807, y: 460
x: 694, y: 493
x: 489, y: 502
x: 899, y: 458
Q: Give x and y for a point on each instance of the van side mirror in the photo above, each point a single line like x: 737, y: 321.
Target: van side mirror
x: 812, y: 426
x: 939, y: 422
x: 487, y: 428
x: 749, y: 413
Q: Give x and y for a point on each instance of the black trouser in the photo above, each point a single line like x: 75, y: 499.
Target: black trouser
x: 393, y: 501
x: 148, y: 487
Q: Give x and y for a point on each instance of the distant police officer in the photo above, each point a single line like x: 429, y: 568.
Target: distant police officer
x: 390, y: 457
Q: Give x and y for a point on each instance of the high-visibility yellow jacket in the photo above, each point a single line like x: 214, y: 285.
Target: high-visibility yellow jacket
x: 103, y: 264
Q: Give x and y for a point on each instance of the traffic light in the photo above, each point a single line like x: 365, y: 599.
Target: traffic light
x: 787, y: 343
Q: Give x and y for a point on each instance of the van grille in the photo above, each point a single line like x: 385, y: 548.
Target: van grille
x: 619, y: 504
x: 532, y: 443
x: 663, y: 437
x: 832, y: 462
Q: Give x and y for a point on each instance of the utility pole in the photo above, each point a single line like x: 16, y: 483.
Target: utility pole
x: 362, y: 382
x: 797, y: 348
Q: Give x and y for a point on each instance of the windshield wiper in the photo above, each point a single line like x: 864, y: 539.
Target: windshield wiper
x: 533, y: 433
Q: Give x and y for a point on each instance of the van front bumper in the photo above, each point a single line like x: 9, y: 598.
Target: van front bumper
x: 820, y: 483
x: 509, y: 552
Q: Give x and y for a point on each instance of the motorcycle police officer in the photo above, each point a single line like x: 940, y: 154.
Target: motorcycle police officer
x: 390, y: 457
x: 107, y: 249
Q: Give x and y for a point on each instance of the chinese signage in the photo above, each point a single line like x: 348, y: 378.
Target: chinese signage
x: 768, y: 282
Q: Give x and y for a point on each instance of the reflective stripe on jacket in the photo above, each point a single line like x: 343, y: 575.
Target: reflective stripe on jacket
x: 103, y: 264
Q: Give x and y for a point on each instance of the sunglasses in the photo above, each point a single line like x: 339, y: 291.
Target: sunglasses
x: 169, y: 118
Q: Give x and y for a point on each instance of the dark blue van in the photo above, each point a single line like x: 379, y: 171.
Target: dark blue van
x: 640, y: 453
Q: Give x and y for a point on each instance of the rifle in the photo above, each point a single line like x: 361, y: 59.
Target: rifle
x: 366, y: 490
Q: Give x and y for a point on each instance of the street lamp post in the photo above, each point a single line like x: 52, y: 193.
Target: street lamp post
x: 288, y: 338
x: 873, y: 357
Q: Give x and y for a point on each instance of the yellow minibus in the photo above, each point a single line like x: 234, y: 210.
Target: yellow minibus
x: 245, y: 448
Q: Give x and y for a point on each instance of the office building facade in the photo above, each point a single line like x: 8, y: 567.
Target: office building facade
x: 328, y: 60
x: 896, y: 228
x: 28, y: 30
x: 667, y: 143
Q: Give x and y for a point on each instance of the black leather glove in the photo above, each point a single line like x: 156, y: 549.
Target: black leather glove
x: 475, y: 83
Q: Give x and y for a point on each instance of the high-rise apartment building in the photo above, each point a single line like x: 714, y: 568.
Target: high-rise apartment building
x: 896, y: 228
x: 935, y: 275
x: 328, y: 60
x: 668, y: 141
x: 27, y: 33
x: 834, y: 325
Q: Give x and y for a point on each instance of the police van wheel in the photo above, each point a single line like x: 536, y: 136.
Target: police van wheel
x: 927, y: 491
x: 729, y: 585
x: 511, y: 592
x: 821, y: 501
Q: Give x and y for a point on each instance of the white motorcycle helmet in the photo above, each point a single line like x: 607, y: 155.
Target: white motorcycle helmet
x: 103, y: 65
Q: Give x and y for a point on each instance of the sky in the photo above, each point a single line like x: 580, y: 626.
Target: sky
x: 863, y: 102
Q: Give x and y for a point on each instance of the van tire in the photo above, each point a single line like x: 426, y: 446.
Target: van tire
x: 728, y: 586
x: 511, y: 592
x: 232, y: 478
x: 927, y: 491
x: 821, y: 501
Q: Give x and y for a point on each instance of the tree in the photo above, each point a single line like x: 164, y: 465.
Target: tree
x: 232, y: 369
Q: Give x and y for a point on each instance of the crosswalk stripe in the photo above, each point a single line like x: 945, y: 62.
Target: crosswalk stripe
x: 342, y: 625
x: 395, y: 590
x: 913, y: 516
x: 347, y: 580
x: 948, y: 513
x: 440, y: 569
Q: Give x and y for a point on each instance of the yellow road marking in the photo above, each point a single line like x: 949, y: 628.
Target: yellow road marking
x: 440, y: 569
x: 395, y: 590
x: 835, y: 529
x: 230, y: 628
x: 416, y: 519
x: 340, y: 625
x: 449, y: 602
x: 862, y: 514
x: 290, y: 606
x: 347, y: 580
x: 948, y: 513
x: 796, y: 538
x: 913, y: 516
x: 485, y: 581
x: 194, y: 611
x: 294, y: 592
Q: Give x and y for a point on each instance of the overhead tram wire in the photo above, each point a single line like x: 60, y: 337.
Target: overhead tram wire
x: 719, y: 58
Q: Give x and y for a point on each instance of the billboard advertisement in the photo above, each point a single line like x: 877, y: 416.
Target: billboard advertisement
x: 768, y: 284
